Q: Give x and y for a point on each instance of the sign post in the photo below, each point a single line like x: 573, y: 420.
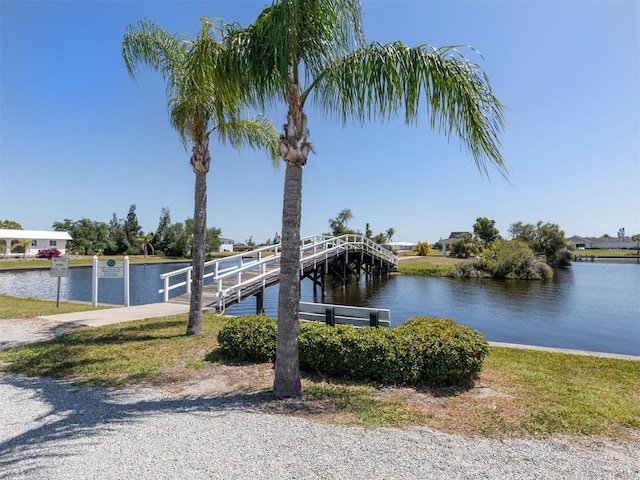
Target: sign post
x: 110, y: 269
x: 59, y: 268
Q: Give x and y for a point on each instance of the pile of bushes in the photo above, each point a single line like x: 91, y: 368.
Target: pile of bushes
x: 422, y: 351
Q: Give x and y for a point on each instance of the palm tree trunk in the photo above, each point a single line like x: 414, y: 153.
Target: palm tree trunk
x: 287, y: 371
x: 200, y: 161
x: 294, y: 149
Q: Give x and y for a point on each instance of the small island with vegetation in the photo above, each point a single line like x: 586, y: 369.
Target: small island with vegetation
x: 531, y: 254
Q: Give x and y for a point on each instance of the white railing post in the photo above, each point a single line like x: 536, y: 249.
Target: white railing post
x: 94, y: 281
x: 126, y: 281
x: 189, y: 281
x: 166, y: 289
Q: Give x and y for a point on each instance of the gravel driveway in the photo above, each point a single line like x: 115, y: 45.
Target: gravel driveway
x: 50, y: 429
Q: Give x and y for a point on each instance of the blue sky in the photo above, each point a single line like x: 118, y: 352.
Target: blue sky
x: 79, y: 138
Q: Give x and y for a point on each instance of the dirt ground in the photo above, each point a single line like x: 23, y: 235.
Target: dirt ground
x: 449, y: 411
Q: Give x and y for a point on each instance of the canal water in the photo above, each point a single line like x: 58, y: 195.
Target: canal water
x: 589, y: 306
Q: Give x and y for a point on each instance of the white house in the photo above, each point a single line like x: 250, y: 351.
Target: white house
x: 226, y: 245
x: 10, y: 241
x: 605, y: 243
x: 402, y: 246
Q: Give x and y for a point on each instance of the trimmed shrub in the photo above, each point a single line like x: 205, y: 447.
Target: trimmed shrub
x: 429, y: 351
x: 249, y: 338
x: 451, y: 354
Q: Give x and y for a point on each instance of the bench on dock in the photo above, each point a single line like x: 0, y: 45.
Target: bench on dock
x: 343, y: 314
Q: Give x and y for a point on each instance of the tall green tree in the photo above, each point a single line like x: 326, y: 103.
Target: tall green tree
x: 132, y: 231
x: 10, y: 225
x: 545, y: 239
x: 117, y: 241
x: 200, y: 102
x: 339, y: 224
x: 178, y: 241
x: 88, y: 236
x: 486, y: 230
x: 213, y: 239
x: 298, y: 50
x: 523, y: 231
x: 159, y: 237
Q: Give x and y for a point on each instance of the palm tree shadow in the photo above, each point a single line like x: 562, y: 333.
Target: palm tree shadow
x: 70, y: 416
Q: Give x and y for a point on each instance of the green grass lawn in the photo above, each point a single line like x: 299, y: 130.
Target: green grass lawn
x: 520, y: 393
x: 599, y: 252
x: 14, y: 307
x: 430, y: 265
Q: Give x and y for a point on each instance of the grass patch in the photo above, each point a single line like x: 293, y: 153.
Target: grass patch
x: 115, y: 355
x: 564, y: 393
x: 427, y: 265
x: 604, y: 252
x: 520, y: 393
x: 16, y: 307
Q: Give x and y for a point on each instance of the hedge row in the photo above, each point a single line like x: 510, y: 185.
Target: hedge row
x: 429, y: 351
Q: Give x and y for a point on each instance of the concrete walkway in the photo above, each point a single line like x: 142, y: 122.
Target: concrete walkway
x: 566, y: 350
x: 108, y: 316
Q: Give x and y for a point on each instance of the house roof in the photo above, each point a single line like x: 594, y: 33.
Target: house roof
x: 453, y: 236
x: 33, y: 235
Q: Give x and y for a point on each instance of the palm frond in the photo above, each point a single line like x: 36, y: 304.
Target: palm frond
x: 257, y: 132
x: 149, y: 46
x: 378, y: 81
x: 291, y: 39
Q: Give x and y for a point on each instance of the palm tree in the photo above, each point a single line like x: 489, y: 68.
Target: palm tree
x: 302, y: 49
x: 200, y: 102
x: 145, y: 244
x: 22, y: 244
x: 390, y: 233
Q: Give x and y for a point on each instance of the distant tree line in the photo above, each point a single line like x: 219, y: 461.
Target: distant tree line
x: 124, y: 236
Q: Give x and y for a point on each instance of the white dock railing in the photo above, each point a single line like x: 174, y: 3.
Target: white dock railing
x: 236, y: 274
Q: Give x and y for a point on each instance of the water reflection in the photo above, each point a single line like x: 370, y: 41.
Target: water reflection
x: 144, y: 284
x: 590, y: 306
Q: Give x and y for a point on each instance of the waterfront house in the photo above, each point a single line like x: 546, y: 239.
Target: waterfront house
x: 606, y: 243
x: 12, y: 242
x: 226, y: 245
x: 446, y: 242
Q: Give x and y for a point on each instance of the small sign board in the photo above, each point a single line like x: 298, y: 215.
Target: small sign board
x: 59, y: 267
x: 111, y: 269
